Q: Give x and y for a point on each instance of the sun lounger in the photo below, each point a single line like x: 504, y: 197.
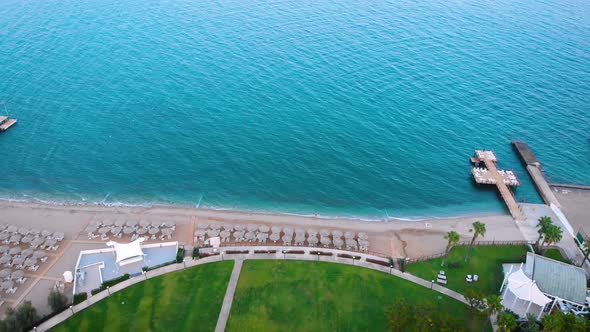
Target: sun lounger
x: 34, y: 268
x: 21, y: 280
x: 11, y: 290
x: 475, y: 277
x: 44, y: 259
x: 441, y: 281
x: 469, y: 278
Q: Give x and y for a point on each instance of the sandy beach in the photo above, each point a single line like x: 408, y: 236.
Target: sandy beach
x: 394, y: 238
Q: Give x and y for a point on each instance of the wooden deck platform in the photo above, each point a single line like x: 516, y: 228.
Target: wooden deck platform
x: 499, y: 179
x: 5, y: 124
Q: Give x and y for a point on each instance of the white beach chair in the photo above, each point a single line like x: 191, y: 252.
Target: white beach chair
x: 21, y: 280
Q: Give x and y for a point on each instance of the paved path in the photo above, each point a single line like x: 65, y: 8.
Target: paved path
x: 229, y: 296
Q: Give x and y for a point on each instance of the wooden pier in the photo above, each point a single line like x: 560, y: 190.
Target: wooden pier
x: 6, y: 123
x: 500, y: 178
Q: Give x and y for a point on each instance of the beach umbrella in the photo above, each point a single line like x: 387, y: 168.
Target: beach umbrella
x: 15, y: 238
x: 210, y: 233
x: 91, y: 228
x: 104, y: 230
x: 5, y: 259
x: 14, y: 250
x: 324, y: 232
x: 200, y: 232
x: 338, y: 242
x: 325, y: 240
x: 225, y: 234
x: 3, y: 227
x: 312, y: 232
x: 128, y: 230
x: 23, y: 231
x: 287, y: 238
x: 299, y: 231
x: 96, y: 223
x: 17, y: 274
x: 239, y: 227
x: 120, y: 222
x: 39, y: 253
x: 202, y: 225
x: 131, y: 223
x: 351, y: 243
x: 8, y: 284
x: 363, y: 236
x: 155, y: 224
x: 336, y: 233
x: 262, y: 236
x: 154, y: 231
x: 27, y: 252
x: 249, y: 235
x: 169, y: 231
x: 299, y: 238
x: 252, y: 228
x: 312, y: 240
x: 49, y: 242
x: 141, y: 231
x: 227, y: 227
x: 4, y: 248
x: 59, y: 235
x: 4, y: 236
x: 5, y: 273
x: 238, y: 235
x: 349, y: 235
x: 274, y: 237
x: 144, y: 223
x: 26, y: 239
x: 276, y: 229
x: 215, y: 226
x: 45, y: 233
x: 108, y: 222
x: 34, y: 231
x: 18, y: 260
x: 116, y: 230
x: 12, y: 229
x: 364, y: 243
x: 263, y: 228
x: 36, y: 242
x: 31, y: 261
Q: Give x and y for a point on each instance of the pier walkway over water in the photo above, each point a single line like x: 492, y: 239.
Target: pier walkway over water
x: 502, y: 179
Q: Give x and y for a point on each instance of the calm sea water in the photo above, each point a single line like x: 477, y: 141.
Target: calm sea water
x: 365, y: 108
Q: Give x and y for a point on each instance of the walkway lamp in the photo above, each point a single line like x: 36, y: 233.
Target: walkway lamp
x: 184, y: 262
x: 318, y: 256
x: 353, y: 259
x: 284, y: 254
x: 35, y: 328
x: 71, y: 308
x: 109, y: 290
x: 222, y: 255
x: 431, y: 283
x: 144, y: 274
x: 390, y: 268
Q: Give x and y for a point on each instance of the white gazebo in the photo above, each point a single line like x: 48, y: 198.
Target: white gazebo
x: 128, y: 253
x: 522, y: 295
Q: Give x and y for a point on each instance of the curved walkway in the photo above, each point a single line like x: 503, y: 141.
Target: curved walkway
x: 279, y: 254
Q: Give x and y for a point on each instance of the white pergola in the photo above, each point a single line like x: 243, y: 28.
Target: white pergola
x: 128, y: 253
x: 522, y: 296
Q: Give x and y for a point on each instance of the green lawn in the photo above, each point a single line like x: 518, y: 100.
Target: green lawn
x: 485, y: 261
x: 556, y: 254
x: 188, y: 300
x: 309, y: 296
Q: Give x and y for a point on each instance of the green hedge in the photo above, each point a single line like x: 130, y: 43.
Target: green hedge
x: 195, y: 253
x: 110, y: 283
x: 180, y: 255
x: 145, y: 268
x: 81, y: 297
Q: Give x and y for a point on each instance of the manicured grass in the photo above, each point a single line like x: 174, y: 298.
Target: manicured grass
x: 485, y: 261
x: 556, y: 254
x: 317, y: 296
x: 188, y: 300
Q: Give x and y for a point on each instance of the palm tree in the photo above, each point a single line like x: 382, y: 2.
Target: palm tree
x: 452, y: 239
x: 553, y: 323
x: 553, y: 235
x: 586, y: 250
x: 494, y: 306
x: 506, y: 322
x: 544, y: 223
x: 479, y: 228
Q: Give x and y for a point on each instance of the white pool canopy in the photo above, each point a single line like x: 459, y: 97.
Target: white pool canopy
x: 128, y: 253
x: 526, y: 289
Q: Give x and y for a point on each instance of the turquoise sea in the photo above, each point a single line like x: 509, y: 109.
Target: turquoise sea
x: 359, y: 108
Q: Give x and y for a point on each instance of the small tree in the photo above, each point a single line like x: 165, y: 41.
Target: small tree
x: 475, y: 298
x: 553, y: 322
x: 553, y: 235
x: 479, y: 229
x: 530, y: 325
x: 543, y: 225
x: 586, y: 250
x: 57, y: 300
x: 20, y: 318
x: 506, y: 322
x: 452, y: 239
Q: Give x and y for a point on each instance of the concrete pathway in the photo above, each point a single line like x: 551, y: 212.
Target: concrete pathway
x: 229, y: 296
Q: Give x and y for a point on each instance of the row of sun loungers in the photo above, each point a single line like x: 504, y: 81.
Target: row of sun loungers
x: 287, y: 236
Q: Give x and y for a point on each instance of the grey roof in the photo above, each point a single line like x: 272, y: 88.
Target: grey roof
x: 555, y: 278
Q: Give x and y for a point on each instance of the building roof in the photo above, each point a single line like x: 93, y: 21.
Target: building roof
x: 127, y: 252
x: 555, y: 278
x: 525, y: 289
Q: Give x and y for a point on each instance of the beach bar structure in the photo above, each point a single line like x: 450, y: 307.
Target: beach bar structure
x: 6, y: 123
x: 502, y: 179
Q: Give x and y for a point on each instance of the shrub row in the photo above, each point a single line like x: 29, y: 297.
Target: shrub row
x: 295, y: 252
x: 145, y: 268
x: 110, y: 283
x: 265, y: 251
x: 203, y: 255
x: 237, y: 252
x: 376, y: 261
x: 349, y: 256
x: 180, y: 255
x: 321, y: 253
x: 195, y: 253
x: 80, y: 297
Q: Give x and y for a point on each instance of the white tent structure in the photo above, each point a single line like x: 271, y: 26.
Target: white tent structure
x: 522, y: 296
x: 213, y: 241
x: 128, y: 253
x: 68, y: 276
